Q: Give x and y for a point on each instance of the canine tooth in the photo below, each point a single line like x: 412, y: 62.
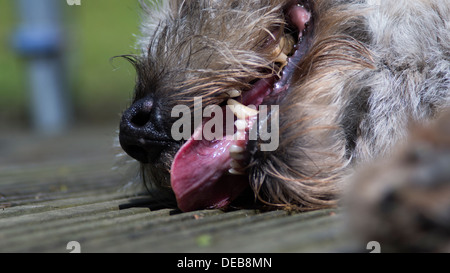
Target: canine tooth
x: 240, y: 135
x: 235, y: 165
x: 282, y: 58
x: 288, y: 44
x: 236, y: 149
x: 235, y: 172
x: 241, y: 111
x: 234, y: 93
x: 241, y: 125
x: 283, y: 49
x: 237, y: 156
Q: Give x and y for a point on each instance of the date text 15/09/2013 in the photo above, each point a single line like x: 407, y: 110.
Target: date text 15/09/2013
x: 226, y: 263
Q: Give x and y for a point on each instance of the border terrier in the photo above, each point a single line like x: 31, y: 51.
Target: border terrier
x: 340, y: 82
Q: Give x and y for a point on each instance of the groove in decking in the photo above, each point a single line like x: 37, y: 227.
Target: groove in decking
x: 41, y: 210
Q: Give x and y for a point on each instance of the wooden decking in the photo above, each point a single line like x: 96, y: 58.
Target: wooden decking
x: 47, y: 202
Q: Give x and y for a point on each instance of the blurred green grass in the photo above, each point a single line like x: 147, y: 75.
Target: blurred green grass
x: 97, y: 30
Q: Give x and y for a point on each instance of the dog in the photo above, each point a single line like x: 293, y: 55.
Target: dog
x: 341, y: 83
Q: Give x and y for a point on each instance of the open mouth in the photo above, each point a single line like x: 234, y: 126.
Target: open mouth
x: 211, y: 174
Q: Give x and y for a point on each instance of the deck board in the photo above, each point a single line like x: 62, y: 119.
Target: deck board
x: 45, y: 205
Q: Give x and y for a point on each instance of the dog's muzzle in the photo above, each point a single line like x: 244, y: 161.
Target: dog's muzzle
x: 142, y: 133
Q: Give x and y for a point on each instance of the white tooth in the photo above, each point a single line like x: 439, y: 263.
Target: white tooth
x: 235, y: 165
x: 282, y: 58
x: 235, y: 172
x: 241, y: 111
x: 241, y: 125
x: 237, y: 156
x: 239, y: 136
x: 236, y: 149
x: 234, y: 93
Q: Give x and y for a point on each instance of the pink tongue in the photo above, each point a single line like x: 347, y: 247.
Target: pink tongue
x: 197, y: 174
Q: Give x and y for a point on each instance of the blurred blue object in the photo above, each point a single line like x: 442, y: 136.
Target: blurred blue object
x: 39, y: 38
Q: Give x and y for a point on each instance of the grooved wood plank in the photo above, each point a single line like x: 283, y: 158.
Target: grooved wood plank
x: 45, y: 205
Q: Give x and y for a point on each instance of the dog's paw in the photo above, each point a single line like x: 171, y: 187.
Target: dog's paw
x: 404, y: 203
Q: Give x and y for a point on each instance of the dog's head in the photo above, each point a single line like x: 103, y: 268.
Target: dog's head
x: 216, y: 105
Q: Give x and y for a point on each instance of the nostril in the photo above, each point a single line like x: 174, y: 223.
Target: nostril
x: 142, y: 112
x: 140, y: 119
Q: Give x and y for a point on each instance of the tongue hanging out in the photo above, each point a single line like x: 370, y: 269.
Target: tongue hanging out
x: 198, y: 178
x: 207, y: 174
x: 200, y: 172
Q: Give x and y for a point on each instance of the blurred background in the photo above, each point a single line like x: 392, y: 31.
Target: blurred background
x: 60, y: 92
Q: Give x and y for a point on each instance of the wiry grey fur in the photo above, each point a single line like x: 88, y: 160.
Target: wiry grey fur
x: 374, y: 66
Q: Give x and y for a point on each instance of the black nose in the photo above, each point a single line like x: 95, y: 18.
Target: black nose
x: 142, y: 133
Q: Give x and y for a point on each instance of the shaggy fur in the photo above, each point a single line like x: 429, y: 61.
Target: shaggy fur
x: 403, y: 202
x: 372, y: 67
